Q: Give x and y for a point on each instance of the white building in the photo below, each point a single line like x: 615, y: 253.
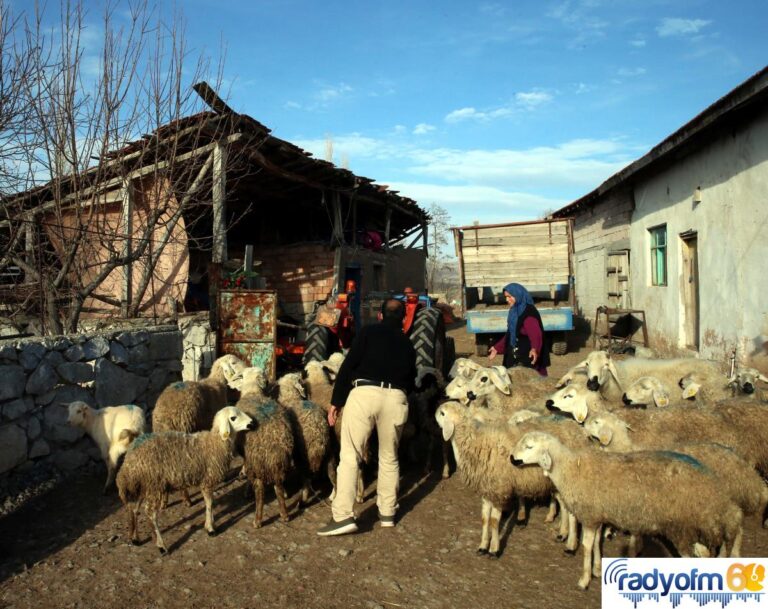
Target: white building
x: 681, y: 233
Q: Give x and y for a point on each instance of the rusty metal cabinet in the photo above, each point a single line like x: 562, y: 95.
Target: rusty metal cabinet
x: 247, y: 326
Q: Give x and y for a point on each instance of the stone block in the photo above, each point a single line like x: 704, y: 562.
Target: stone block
x: 8, y: 353
x: 133, y: 338
x: 31, y: 354
x: 75, y: 353
x: 76, y: 372
x: 61, y: 343
x: 138, y: 354
x: 14, y: 379
x: 13, y: 447
x: 16, y: 408
x: 165, y: 345
x: 34, y: 429
x: 196, y: 335
x: 115, y: 386
x: 40, y: 448
x: 55, y: 427
x: 42, y: 380
x: 68, y: 460
x: 46, y: 398
x: 54, y: 358
x: 72, y: 393
x: 118, y: 353
x: 95, y: 348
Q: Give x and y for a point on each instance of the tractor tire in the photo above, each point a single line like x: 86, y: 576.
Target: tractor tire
x: 318, y: 344
x: 449, y: 355
x: 559, y: 345
x: 428, y: 338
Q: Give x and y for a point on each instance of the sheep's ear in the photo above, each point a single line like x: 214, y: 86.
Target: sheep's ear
x: 222, y: 424
x: 454, y: 369
x: 661, y: 398
x: 300, y: 388
x: 605, y: 435
x: 613, y: 371
x: 545, y: 461
x: 501, y: 382
x: 691, y: 390
x: 330, y: 374
x: 448, y: 429
x: 762, y: 377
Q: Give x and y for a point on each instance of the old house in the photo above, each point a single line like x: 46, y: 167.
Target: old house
x: 679, y: 233
x: 150, y: 219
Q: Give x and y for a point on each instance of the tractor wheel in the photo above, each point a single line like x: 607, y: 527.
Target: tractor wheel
x: 318, y: 343
x: 559, y: 345
x: 428, y: 338
x: 449, y: 355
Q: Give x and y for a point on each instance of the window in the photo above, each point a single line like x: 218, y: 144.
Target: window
x: 658, y: 255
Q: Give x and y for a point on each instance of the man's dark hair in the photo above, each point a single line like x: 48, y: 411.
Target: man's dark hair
x: 393, y: 309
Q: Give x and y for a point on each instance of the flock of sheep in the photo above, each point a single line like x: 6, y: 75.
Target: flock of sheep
x: 651, y: 447
x: 670, y: 448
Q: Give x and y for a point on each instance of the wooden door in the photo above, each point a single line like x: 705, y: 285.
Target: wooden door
x: 617, y: 272
x: 690, y: 290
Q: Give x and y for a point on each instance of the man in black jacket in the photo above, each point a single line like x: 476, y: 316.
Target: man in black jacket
x: 372, y: 387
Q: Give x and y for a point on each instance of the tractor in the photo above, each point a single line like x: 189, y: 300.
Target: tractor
x: 333, y: 329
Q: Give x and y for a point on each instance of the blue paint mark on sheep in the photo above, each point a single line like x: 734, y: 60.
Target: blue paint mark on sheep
x: 179, y: 385
x: 266, y: 411
x: 307, y: 405
x: 682, y: 457
x: 140, y: 440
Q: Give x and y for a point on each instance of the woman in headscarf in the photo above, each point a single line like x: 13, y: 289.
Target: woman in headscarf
x: 524, y: 343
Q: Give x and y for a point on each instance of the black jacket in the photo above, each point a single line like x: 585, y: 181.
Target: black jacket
x: 519, y: 355
x: 380, y: 352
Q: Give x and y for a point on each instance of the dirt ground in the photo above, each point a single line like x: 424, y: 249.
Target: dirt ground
x: 68, y: 548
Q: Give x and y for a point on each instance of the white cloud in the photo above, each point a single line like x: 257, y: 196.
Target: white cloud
x: 330, y: 93
x: 400, y: 129
x: 532, y: 99
x: 630, y: 72
x: 292, y: 105
x: 423, y: 129
x: 638, y: 42
x: 523, y: 100
x: 465, y: 204
x: 671, y: 26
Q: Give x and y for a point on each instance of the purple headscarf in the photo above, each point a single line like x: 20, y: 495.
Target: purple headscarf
x: 522, y: 300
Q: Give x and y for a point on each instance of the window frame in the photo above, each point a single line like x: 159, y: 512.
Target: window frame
x: 655, y: 249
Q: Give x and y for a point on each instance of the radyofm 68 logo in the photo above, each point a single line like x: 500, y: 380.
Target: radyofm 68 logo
x: 718, y: 580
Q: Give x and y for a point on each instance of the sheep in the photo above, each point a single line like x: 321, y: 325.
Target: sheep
x: 312, y: 434
x: 268, y: 450
x: 663, y: 493
x: 737, y: 477
x: 710, y: 388
x: 577, y: 401
x: 745, y: 380
x: 107, y: 427
x: 575, y: 375
x: 496, y: 389
x: 482, y: 450
x: 609, y: 377
x: 648, y: 390
x: 189, y: 406
x: 463, y: 366
x: 161, y: 461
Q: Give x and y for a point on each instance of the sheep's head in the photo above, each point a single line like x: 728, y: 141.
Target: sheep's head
x: 230, y: 420
x: 600, y: 367
x: 533, y: 448
x: 77, y: 413
x: 644, y: 391
x: 691, y: 384
x: 463, y: 366
x: 457, y: 389
x: 254, y: 382
x: 448, y: 415
x: 571, y: 400
x: 291, y: 387
x: 577, y: 374
x: 335, y: 360
x: 230, y: 368
x: 600, y: 429
x: 319, y: 372
x: 745, y: 380
x: 489, y: 380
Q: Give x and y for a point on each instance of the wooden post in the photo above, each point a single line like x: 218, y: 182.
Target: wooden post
x: 219, y: 253
x: 387, y: 225
x: 425, y: 235
x: 248, y: 267
x: 338, y: 230
x: 29, y: 246
x: 126, y: 222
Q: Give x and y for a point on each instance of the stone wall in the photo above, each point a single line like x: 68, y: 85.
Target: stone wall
x: 37, y: 375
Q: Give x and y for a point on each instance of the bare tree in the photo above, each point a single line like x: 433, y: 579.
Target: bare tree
x: 439, y: 226
x: 126, y: 158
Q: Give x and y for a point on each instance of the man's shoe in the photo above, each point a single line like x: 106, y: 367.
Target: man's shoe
x: 342, y: 527
x: 386, y: 521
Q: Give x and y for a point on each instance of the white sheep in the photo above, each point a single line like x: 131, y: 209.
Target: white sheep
x: 611, y: 378
x: 648, y: 390
x: 495, y: 388
x: 159, y: 462
x: 482, y: 450
x: 111, y: 428
x: 662, y: 493
x: 463, y: 366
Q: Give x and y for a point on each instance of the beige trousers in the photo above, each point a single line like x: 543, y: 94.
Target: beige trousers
x: 366, y: 408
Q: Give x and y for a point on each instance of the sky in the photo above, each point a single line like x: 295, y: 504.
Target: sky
x: 496, y: 111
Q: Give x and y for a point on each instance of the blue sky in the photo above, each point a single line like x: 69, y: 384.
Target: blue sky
x: 497, y: 111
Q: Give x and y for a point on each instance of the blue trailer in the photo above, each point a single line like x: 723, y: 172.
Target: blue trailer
x: 537, y: 255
